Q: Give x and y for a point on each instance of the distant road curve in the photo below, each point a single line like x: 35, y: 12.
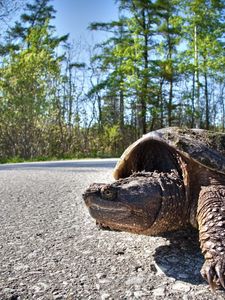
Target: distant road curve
x: 79, y: 163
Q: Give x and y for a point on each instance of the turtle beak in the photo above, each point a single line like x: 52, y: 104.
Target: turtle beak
x: 86, y: 198
x: 100, y: 190
x: 92, y: 191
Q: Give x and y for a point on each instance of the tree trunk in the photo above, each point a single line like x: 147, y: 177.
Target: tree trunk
x: 145, y: 81
x: 99, y: 112
x: 170, y: 102
x: 197, y: 83
x: 207, y: 123
x: 222, y: 87
x: 193, y: 102
x: 171, y: 76
x: 121, y: 109
x: 70, y: 98
x: 161, y: 104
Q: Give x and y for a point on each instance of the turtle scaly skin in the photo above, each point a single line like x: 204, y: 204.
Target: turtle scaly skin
x: 211, y: 220
x: 119, y: 206
x: 168, y: 179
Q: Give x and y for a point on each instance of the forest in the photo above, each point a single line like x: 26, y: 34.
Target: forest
x: 162, y: 64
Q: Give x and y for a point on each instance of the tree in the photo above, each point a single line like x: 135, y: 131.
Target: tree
x: 26, y: 84
x: 169, y: 31
x: 141, y: 25
x: 204, y: 32
x: 28, y: 81
x: 110, y: 61
x: 36, y: 15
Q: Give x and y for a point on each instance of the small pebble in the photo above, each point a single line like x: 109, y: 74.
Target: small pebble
x: 100, y: 275
x: 159, y: 291
x: 105, y: 296
x: 138, y: 294
x: 180, y: 286
x: 135, y: 280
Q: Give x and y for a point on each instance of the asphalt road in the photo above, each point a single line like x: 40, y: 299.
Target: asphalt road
x: 50, y: 247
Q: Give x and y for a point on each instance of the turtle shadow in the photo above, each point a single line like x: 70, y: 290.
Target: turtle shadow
x: 182, y: 258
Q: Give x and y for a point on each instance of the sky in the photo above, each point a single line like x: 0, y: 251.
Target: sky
x: 74, y: 16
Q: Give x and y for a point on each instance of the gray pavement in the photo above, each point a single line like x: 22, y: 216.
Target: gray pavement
x: 50, y: 247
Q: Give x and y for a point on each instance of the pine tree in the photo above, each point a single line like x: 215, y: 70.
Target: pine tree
x: 110, y: 62
x: 204, y: 30
x: 169, y: 32
x: 36, y: 15
x: 141, y: 25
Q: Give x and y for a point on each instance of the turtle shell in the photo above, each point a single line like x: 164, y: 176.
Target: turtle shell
x: 156, y: 150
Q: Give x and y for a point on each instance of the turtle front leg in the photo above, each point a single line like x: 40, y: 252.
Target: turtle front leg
x: 211, y: 222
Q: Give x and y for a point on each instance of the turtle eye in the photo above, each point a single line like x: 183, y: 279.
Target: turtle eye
x: 108, y: 193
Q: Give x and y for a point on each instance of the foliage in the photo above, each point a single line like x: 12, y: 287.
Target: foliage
x: 162, y: 64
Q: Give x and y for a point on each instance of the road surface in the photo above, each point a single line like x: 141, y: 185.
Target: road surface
x: 50, y: 247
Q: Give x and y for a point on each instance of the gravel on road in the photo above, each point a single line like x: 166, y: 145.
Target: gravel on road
x: 50, y: 247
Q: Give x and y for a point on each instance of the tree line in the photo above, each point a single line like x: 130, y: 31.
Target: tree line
x: 162, y: 64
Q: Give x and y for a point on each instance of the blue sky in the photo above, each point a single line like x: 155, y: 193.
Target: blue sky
x: 74, y: 16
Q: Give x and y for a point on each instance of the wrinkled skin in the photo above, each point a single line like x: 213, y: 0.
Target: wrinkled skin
x: 167, y: 180
x: 139, y: 203
x: 211, y: 216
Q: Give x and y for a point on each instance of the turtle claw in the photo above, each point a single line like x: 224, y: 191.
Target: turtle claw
x: 208, y: 274
x: 220, y: 272
x: 214, y: 273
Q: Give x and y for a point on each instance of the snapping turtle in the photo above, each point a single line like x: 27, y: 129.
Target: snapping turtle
x: 168, y: 179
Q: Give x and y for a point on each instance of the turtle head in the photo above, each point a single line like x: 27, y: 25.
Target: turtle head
x: 128, y: 204
x: 135, y: 204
